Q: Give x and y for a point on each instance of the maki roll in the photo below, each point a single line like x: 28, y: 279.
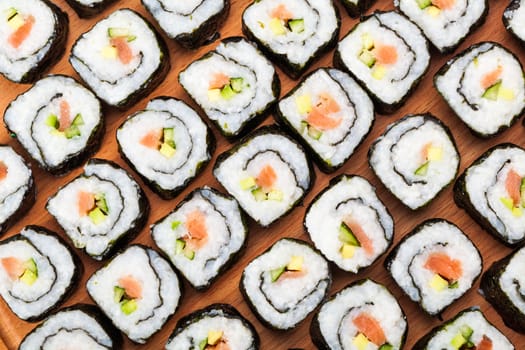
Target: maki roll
x: 101, y: 209
x: 218, y: 326
x: 81, y: 327
x: 435, y: 264
x: 349, y: 224
x: 503, y: 284
x: 356, y: 8
x: 416, y: 158
x: 445, y: 23
x: 286, y: 283
x: 17, y: 187
x: 38, y: 271
x: 513, y: 18
x: 137, y: 290
x: 363, y: 313
x: 203, y: 235
x: 33, y: 36
x: 388, y: 55
x: 58, y: 122
x: 492, y: 191
x: 191, y: 23
x: 292, y: 33
x: 235, y: 85
x: 167, y: 144
x: 122, y: 58
x: 89, y: 8
x: 268, y: 173
x: 484, y: 86
x: 467, y: 330
x: 330, y: 113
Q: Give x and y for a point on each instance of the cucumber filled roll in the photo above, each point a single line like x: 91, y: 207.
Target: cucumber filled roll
x: 33, y: 36
x: 467, y: 330
x: 286, y: 283
x: 356, y: 8
x: 445, y: 23
x: 81, y: 327
x: 388, y: 55
x: 235, y: 85
x: 203, y: 235
x: 268, y: 173
x: 513, y: 19
x: 89, y: 8
x: 191, y: 23
x: 218, y: 326
x: 38, y: 271
x: 137, y: 290
x: 364, y: 315
x: 484, y: 85
x: 58, y: 122
x: 416, y: 158
x: 349, y: 224
x: 100, y: 209
x: 17, y: 187
x: 331, y: 114
x: 503, y: 285
x: 293, y: 33
x: 492, y: 191
x: 122, y: 58
x: 435, y: 264
x: 167, y: 144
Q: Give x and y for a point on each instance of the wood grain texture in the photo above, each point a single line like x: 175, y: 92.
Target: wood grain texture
x: 225, y: 289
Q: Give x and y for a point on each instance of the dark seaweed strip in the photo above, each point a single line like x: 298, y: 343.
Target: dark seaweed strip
x: 362, y: 201
x: 161, y: 299
x: 111, y: 82
x: 461, y: 15
x: 249, y: 160
x: 161, y: 4
x: 518, y: 289
x: 485, y: 193
x: 351, y: 103
x: 12, y: 194
x: 224, y: 246
x: 508, y: 15
x: 31, y: 128
x: 69, y: 330
x: 345, y: 315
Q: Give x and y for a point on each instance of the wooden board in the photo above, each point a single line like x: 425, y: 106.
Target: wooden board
x: 225, y: 289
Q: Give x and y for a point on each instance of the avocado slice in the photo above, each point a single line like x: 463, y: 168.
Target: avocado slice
x: 347, y: 236
x: 492, y: 92
x: 368, y: 58
x: 11, y: 13
x: 100, y: 202
x: 118, y: 294
x: 275, y: 195
x: 31, y: 266
x: 276, y: 273
x: 247, y: 183
x: 97, y: 216
x: 227, y: 92
x: 52, y: 121
x: 296, y: 25
x: 458, y: 341
x: 423, y: 4
x: 166, y: 150
x: 169, y: 137
x: 28, y: 277
x: 466, y: 331
x: 128, y: 306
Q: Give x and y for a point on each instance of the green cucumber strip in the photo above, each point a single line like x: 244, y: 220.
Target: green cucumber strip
x: 227, y: 92
x: 52, y: 121
x: 31, y: 266
x: 259, y: 195
x: 180, y: 244
x: 296, y: 25
x: 175, y: 224
x: 237, y: 84
x: 78, y: 120
x: 203, y: 343
x: 466, y: 331
x: 276, y: 273
x: 11, y: 13
x: 28, y: 277
x: 72, y: 131
x: 118, y: 294
x: 386, y: 346
x: 190, y: 254
x: 422, y: 170
x: 423, y: 4
x: 347, y: 236
x: 453, y: 285
x: 101, y: 203
x: 492, y: 92
x: 314, y: 132
x: 128, y: 306
x: 117, y: 32
x: 97, y: 216
x: 367, y: 58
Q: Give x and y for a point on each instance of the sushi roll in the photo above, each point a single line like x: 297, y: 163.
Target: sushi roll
x: 292, y: 33
x: 445, y: 23
x: 435, y: 264
x: 203, y: 236
x: 17, y: 187
x: 492, y: 189
x: 212, y: 326
x: 122, y: 58
x: 58, y: 122
x: 38, y: 271
x: 503, y: 284
x: 81, y: 327
x: 286, y: 283
x: 388, y: 55
x: 138, y: 290
x: 416, y: 158
x: 467, y: 330
x: 191, y: 23
x: 330, y: 113
x: 167, y: 144
x: 235, y: 85
x: 484, y: 86
x: 268, y: 173
x: 356, y: 8
x: 33, y: 37
x: 101, y: 209
x: 513, y: 18
x: 349, y: 224
x: 363, y: 315
x: 89, y: 8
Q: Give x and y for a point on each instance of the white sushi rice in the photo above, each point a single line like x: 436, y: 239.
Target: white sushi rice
x: 27, y: 117
x: 396, y: 30
x: 226, y: 235
x: 397, y: 155
x: 407, y: 265
x: 320, y: 23
x: 516, y: 18
x: 56, y: 269
x: 16, y: 62
x: 160, y: 291
x: 190, y: 137
x: 450, y: 26
x: 356, y: 114
x: 512, y: 280
x: 461, y: 87
x: 287, y: 301
x: 110, y: 79
x: 352, y: 195
x: 336, y: 315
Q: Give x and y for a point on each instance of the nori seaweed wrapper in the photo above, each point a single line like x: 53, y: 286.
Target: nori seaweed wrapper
x: 513, y: 6
x: 86, y: 11
x: 355, y: 10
